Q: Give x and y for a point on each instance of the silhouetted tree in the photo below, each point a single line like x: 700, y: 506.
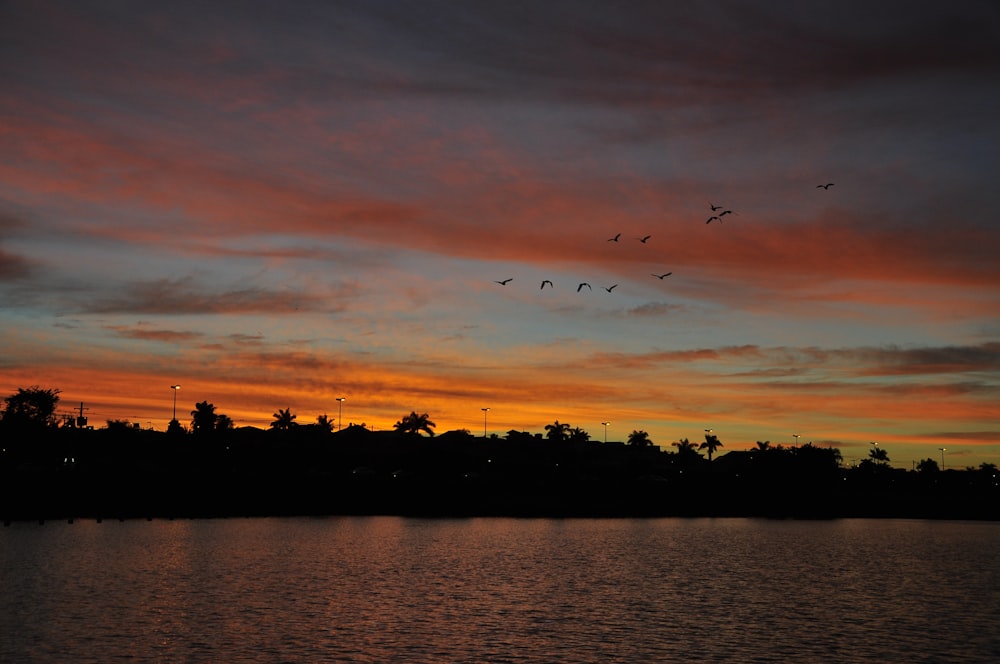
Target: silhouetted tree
x: 711, y: 444
x: 639, y: 439
x: 414, y: 424
x: 578, y: 435
x: 284, y: 420
x: 32, y: 407
x: 878, y: 455
x: 686, y: 449
x: 324, y: 423
x: 812, y: 459
x: 203, y: 418
x: 557, y: 431
x: 928, y: 466
x: 764, y: 446
x: 223, y: 422
x: 175, y: 428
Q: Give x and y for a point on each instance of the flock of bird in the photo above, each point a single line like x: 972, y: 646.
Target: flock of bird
x: 715, y: 217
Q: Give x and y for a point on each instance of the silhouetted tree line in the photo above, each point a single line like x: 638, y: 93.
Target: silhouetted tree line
x: 50, y: 469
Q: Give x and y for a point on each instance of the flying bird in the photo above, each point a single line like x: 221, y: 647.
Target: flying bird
x: 610, y: 288
x: 643, y: 239
x: 724, y: 213
x: 615, y: 238
x: 824, y: 186
x: 715, y: 207
x: 546, y: 282
x: 504, y: 282
x: 661, y: 276
x: 582, y: 285
x: 713, y: 218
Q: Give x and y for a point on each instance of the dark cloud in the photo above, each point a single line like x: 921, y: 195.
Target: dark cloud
x: 184, y: 296
x: 891, y: 360
x: 653, y: 309
x: 650, y: 359
x: 622, y: 54
x: 147, y: 334
x: 10, y: 222
x: 13, y: 266
x: 971, y: 436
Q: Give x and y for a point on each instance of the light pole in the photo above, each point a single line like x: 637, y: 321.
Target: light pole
x: 942, y: 456
x: 175, y: 388
x: 605, y: 430
x: 340, y: 414
x: 485, y: 410
x: 796, y: 436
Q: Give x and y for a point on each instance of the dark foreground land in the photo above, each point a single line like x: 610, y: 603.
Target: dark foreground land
x: 249, y: 472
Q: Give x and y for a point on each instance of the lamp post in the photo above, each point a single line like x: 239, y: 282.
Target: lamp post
x: 175, y: 388
x: 340, y: 413
x: 796, y: 436
x: 485, y: 410
x: 605, y: 430
x: 942, y: 456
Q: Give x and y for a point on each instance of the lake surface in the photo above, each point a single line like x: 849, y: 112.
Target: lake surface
x: 386, y: 589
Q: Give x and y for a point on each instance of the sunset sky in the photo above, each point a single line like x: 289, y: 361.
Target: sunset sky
x: 276, y: 204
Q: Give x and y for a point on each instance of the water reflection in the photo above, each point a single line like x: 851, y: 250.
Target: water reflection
x: 380, y: 589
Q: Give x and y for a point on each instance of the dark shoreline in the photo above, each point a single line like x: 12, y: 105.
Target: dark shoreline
x: 107, y: 475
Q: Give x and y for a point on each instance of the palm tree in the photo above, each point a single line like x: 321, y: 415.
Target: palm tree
x: 686, y: 449
x: 203, y: 418
x: 639, y: 439
x: 414, y: 424
x: 283, y: 420
x: 557, y: 431
x: 711, y: 444
x: 324, y: 423
x: 763, y: 446
x: 578, y: 435
x: 878, y: 455
x: 223, y: 422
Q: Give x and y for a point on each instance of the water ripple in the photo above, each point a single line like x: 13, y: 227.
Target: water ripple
x: 500, y: 590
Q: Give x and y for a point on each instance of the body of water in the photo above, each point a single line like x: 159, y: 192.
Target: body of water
x: 385, y: 589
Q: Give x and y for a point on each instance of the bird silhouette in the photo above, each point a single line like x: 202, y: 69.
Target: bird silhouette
x: 712, y: 218
x: 504, y: 282
x: 582, y: 285
x: 715, y: 207
x: 724, y: 213
x: 824, y: 186
x: 615, y: 238
x: 610, y: 288
x: 661, y: 276
x: 643, y: 239
x: 546, y: 282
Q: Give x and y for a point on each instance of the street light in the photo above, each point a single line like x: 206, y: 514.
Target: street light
x: 175, y: 388
x: 942, y: 456
x: 796, y: 436
x: 340, y: 414
x: 485, y: 410
x: 605, y: 430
